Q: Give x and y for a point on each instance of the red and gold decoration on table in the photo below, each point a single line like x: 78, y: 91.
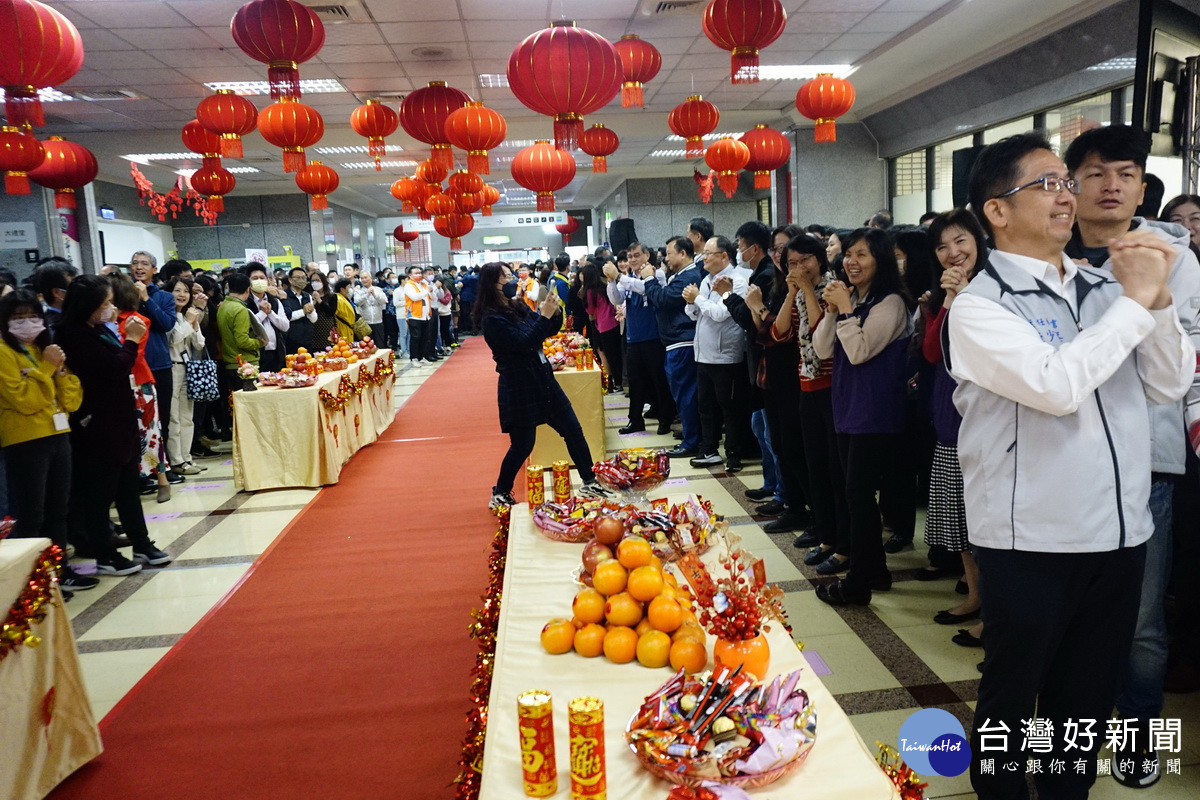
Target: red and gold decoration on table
x: 640, y: 62
x: 727, y: 157
x: 599, y: 142
x: 535, y: 726
x: 32, y: 604
x: 41, y: 49
x: 535, y: 485
x: 406, y: 237
x: 543, y: 168
x: 560, y: 476
x: 900, y: 774
x: 489, y: 196
x: 281, y: 34
x: 230, y: 117
x: 214, y: 183
x: 566, y: 228
x: 565, y: 72
x: 202, y: 141
x: 374, y: 120
x: 769, y: 150
x: 585, y: 732
x: 292, y: 126
x: 693, y: 119
x: 19, y: 153
x: 423, y: 115
x: 743, y: 27
x: 173, y: 201
x: 454, y: 226
x: 823, y: 100
x: 476, y: 129
x: 68, y: 166
x: 318, y: 180
x: 634, y: 469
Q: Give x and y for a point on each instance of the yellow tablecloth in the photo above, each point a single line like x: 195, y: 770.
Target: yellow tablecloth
x: 582, y: 387
x: 538, y: 586
x: 36, y: 756
x: 286, y: 437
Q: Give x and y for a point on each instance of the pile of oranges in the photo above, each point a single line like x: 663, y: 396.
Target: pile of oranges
x: 342, y: 350
x: 632, y: 610
x: 302, y: 361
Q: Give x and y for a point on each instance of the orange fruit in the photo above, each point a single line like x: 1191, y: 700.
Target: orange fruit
x: 688, y: 655
x: 634, y: 552
x: 691, y: 632
x: 622, y: 609
x: 558, y: 636
x: 609, y: 578
x: 620, y: 645
x: 644, y: 626
x: 645, y: 583
x: 588, y: 606
x: 670, y: 579
x: 655, y: 561
x: 589, y: 640
x: 301, y: 350
x: 654, y: 649
x: 664, y: 614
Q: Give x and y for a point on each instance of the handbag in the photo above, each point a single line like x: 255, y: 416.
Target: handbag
x: 201, y: 377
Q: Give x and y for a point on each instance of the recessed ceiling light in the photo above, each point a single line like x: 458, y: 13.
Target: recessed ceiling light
x: 801, y: 72
x: 371, y: 164
x: 55, y: 96
x: 146, y: 158
x: 358, y: 148
x: 493, y: 80
x: 311, y: 86
x: 1124, y: 62
x: 187, y: 173
x: 710, y: 137
x: 669, y: 153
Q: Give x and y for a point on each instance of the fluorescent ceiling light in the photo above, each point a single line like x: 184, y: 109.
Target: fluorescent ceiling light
x: 371, y: 164
x: 517, y: 143
x: 310, y: 86
x: 710, y: 137
x: 1124, y: 62
x: 801, y: 72
x: 493, y: 80
x: 188, y: 173
x: 49, y: 96
x: 358, y: 148
x: 670, y: 153
x: 146, y: 158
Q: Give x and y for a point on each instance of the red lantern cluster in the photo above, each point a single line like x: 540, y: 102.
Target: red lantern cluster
x: 476, y: 129
x: 423, y: 116
x: 406, y: 237
x: 67, y: 167
x: 215, y: 183
x: 293, y: 126
x: 543, y: 168
x: 374, y: 120
x: 19, y: 153
x: 317, y: 180
x: 824, y: 99
x: 743, y: 27
x: 281, y: 34
x: 727, y: 157
x: 41, y: 49
x: 565, y: 72
x: 640, y: 62
x: 599, y: 142
x: 769, y: 150
x: 693, y: 119
x: 228, y: 116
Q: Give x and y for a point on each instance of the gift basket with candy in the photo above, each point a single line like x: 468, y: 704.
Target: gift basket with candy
x: 571, y: 520
x: 723, y: 727
x: 634, y: 472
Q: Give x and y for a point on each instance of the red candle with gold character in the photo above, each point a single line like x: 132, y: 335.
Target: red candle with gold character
x: 589, y: 358
x: 562, y: 481
x: 586, y: 735
x: 535, y: 722
x: 535, y: 485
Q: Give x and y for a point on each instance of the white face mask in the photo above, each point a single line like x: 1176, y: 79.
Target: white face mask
x: 259, y: 286
x: 26, y: 330
x: 108, y: 314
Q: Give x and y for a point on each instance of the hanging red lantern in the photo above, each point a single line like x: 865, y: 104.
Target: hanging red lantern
x: 465, y: 182
x: 693, y: 119
x: 489, y: 195
x: 281, y: 34
x: 823, y: 100
x: 318, y: 180
x: 640, y: 62
x: 67, y: 167
x: 374, y: 120
x: 200, y: 140
x: 567, y: 228
x: 407, y: 192
x: 19, y: 153
x: 423, y: 115
x: 293, y: 126
x: 543, y: 168
x: 440, y: 204
x: 769, y: 150
x: 41, y: 49
x: 427, y: 190
x: 454, y: 226
x: 430, y: 172
x: 229, y: 116
x: 727, y: 157
x: 565, y: 72
x: 215, y: 182
x: 743, y: 27
x: 599, y: 142
x: 465, y: 202
x: 406, y: 237
x: 476, y: 129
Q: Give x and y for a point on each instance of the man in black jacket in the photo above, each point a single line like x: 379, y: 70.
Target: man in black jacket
x: 299, y: 308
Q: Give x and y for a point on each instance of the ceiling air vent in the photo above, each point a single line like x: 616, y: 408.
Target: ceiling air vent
x: 348, y: 11
x: 106, y: 94
x: 664, y: 8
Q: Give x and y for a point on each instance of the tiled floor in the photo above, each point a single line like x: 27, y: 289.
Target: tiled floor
x: 882, y: 663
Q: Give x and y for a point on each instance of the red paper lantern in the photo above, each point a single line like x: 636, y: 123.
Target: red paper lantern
x: 201, y: 140
x: 293, y: 126
x: 440, y: 204
x: 489, y: 195
x: 464, y: 191
x: 406, y: 237
x: 465, y: 182
x: 19, y: 153
x: 565, y: 72
x: 476, y: 129
x: 318, y: 180
x: 41, y: 49
x: 599, y: 142
x: 693, y: 119
x: 68, y: 166
x: 427, y: 190
x: 544, y: 169
x: 280, y: 34
x: 824, y: 99
x: 465, y: 202
x: 640, y: 62
x: 374, y: 120
x: 423, y: 116
x: 407, y: 192
x: 769, y: 150
x: 454, y: 226
x: 429, y: 172
x: 743, y: 27
x: 567, y: 228
x: 727, y: 157
x: 230, y: 117
x: 215, y: 182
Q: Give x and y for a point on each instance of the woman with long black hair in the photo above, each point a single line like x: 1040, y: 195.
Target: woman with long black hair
x: 527, y: 392
x: 603, y: 327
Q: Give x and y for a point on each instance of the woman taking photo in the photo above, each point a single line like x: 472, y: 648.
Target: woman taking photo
x: 527, y: 391
x: 105, y: 444
x: 185, y: 342
x: 866, y: 333
x: 36, y: 395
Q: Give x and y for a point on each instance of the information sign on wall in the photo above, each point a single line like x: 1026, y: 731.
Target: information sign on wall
x: 17, y: 235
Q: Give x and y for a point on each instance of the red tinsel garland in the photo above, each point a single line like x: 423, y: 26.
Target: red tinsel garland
x: 31, y: 605
x: 899, y: 773
x: 172, y: 202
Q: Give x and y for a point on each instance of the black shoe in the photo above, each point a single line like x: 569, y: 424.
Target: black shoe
x: 809, y: 538
x: 817, y: 555
x: 677, y: 435
x: 664, y: 428
x: 895, y: 544
x: 679, y: 451
x: 117, y: 564
x: 962, y: 588
x: 771, y: 509
x: 712, y: 460
x: 758, y: 494
x: 120, y: 540
x: 174, y: 477
x: 149, y: 486
x: 74, y: 582
x: 833, y: 565
x: 964, y: 638
x: 785, y: 524
x: 1136, y: 769
x: 882, y: 583
x: 946, y: 618
x: 926, y: 574
x: 633, y: 427
x: 836, y: 594
x: 150, y: 555
x: 65, y: 594
x: 204, y: 452
x: 733, y: 466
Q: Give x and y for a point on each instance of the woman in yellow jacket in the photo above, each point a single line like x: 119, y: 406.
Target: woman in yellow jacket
x: 36, y: 395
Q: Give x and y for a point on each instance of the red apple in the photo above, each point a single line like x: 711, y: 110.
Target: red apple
x: 608, y: 530
x: 594, y: 552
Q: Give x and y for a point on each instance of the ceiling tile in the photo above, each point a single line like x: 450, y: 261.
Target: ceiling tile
x: 421, y: 71
x: 347, y: 54
x: 523, y: 9
x: 860, y: 41
x: 841, y: 5
x: 226, y: 73
x: 888, y: 23
x: 824, y: 22
x: 502, y: 30
x: 97, y: 40
x: 202, y: 58
x: 492, y: 50
x: 674, y: 45
x: 791, y: 43
x: 610, y: 29
x: 913, y: 5
x: 77, y: 19
x: 86, y: 77
x: 127, y: 59
x: 423, y: 32
x: 394, y: 11
x: 353, y: 33
x: 364, y: 70
x: 217, y: 13
x: 118, y: 14
x: 135, y: 78
x: 386, y: 84
x: 188, y: 38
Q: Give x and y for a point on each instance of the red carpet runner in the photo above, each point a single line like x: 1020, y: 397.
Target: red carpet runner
x: 340, y: 667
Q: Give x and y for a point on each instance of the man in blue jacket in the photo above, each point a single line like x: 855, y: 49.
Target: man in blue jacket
x: 159, y: 307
